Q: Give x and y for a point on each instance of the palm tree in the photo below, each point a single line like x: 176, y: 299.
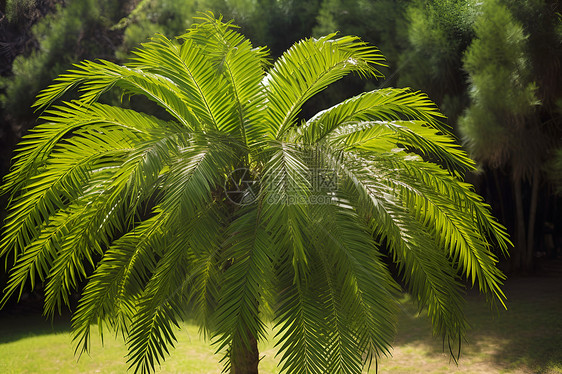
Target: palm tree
x: 230, y: 209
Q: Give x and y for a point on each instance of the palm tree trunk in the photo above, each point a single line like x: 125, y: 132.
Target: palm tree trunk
x: 531, y: 226
x: 245, y: 360
x: 519, y: 250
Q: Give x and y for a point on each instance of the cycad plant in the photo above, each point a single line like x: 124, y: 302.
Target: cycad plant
x: 229, y: 208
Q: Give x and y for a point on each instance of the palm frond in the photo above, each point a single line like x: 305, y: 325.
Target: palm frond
x: 368, y: 293
x: 387, y: 104
x: 307, y: 68
x: 84, y: 239
x: 110, y: 209
x: 96, y: 78
x: 338, y: 305
x: 286, y: 191
x: 300, y: 321
x: 36, y: 147
x: 436, y: 197
x: 430, y: 276
x: 206, y: 243
x: 383, y: 137
x: 86, y: 162
x: 187, y: 67
x: 160, y: 305
x: 198, y: 168
x: 234, y: 57
x: 38, y: 256
x: 119, y: 277
x: 62, y: 180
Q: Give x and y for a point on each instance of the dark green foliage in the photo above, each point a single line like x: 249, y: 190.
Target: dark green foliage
x: 502, y: 91
x: 156, y: 16
x: 439, y: 33
x: 368, y: 18
x: 512, y: 123
x: 75, y: 31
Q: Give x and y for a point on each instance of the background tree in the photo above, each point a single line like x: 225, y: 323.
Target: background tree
x: 139, y: 199
x: 74, y: 32
x: 16, y: 38
x: 148, y: 17
x: 509, y: 125
x: 263, y: 20
x: 369, y: 18
x: 439, y: 33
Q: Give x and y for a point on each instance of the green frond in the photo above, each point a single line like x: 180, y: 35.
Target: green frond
x: 197, y: 169
x: 307, y: 68
x: 64, y: 176
x: 206, y: 242
x: 110, y: 209
x: 152, y: 334
x: 119, y: 277
x: 79, y: 246
x: 424, y: 265
x: 430, y: 277
x: 160, y: 305
x: 96, y: 78
x: 387, y: 104
x: 457, y: 216
x: 181, y: 276
x: 368, y: 293
x: 299, y: 320
x: 234, y: 57
x: 83, y: 162
x: 384, y: 137
x: 336, y: 297
x: 286, y: 192
x: 38, y: 256
x: 36, y: 147
x: 187, y: 67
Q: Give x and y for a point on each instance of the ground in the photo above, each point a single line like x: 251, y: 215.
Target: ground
x: 527, y: 338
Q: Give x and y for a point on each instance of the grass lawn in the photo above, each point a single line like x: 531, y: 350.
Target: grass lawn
x: 525, y: 339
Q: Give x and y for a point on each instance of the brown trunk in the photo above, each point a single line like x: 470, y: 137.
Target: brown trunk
x: 528, y: 265
x: 245, y: 359
x: 499, y: 195
x: 519, y: 251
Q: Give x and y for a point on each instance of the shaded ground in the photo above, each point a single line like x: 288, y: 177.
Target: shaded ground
x: 527, y: 338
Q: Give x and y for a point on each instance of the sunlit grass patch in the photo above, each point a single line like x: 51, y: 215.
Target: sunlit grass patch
x: 525, y: 339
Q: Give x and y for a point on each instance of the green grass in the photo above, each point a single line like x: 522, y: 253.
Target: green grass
x: 525, y: 339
